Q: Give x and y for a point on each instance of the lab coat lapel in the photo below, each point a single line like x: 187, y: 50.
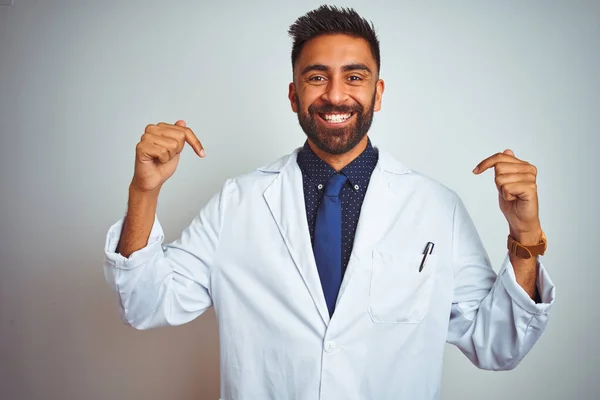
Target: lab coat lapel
x: 285, y: 198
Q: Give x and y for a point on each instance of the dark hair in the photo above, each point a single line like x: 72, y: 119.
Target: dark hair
x: 331, y: 20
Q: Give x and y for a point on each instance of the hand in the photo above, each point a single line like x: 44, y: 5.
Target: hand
x: 157, y: 154
x: 517, y: 194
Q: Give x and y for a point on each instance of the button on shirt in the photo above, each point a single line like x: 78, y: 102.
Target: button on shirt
x: 316, y: 173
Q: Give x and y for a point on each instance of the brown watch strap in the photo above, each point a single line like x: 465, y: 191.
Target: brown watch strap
x: 521, y: 251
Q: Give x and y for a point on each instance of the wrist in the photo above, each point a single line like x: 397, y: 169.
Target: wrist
x: 135, y: 191
x: 142, y: 202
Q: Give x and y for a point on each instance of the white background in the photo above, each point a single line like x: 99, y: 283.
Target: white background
x: 79, y: 81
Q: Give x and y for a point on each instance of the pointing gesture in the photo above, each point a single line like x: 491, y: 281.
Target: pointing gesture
x: 157, y: 154
x: 517, y: 193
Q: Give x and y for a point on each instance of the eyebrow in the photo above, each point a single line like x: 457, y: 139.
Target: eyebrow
x: 345, y: 68
x: 356, y: 67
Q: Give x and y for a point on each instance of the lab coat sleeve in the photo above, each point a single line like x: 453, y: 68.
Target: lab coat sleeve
x: 493, y: 320
x: 166, y: 284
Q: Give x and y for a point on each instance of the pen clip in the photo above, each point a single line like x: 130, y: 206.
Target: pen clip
x: 428, y: 250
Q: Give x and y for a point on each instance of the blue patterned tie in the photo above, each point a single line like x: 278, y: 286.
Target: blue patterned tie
x: 328, y: 240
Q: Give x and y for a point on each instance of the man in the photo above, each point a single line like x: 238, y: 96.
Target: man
x: 336, y: 272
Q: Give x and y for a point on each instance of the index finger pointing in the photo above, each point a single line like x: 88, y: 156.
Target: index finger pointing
x: 189, y: 135
x: 493, y: 160
x: 193, y: 141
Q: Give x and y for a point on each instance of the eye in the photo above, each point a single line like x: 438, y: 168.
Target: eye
x: 354, y: 78
x: 316, y: 78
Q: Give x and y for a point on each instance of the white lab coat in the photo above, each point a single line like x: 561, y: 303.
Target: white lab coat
x: 248, y: 254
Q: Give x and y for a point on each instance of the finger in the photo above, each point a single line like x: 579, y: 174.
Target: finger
x: 493, y: 160
x: 175, y: 147
x: 186, y: 134
x: 509, y: 152
x: 193, y: 141
x: 502, y: 168
x: 518, y: 190
x: 166, y: 131
x: 504, y: 179
x: 181, y: 123
x: 147, y: 151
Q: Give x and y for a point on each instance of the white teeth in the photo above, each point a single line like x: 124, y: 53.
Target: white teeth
x: 337, y: 117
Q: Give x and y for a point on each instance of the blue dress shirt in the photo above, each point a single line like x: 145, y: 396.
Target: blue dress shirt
x: 316, y: 173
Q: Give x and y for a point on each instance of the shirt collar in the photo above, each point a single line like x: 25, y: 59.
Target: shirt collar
x: 358, y: 171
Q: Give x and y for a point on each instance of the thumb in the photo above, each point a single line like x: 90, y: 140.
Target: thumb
x: 509, y: 152
x: 180, y: 123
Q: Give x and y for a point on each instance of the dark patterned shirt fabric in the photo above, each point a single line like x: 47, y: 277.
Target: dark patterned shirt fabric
x: 316, y: 173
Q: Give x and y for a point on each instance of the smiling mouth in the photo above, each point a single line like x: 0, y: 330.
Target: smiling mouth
x: 336, y: 118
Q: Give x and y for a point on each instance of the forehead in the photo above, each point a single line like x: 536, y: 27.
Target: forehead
x: 334, y: 51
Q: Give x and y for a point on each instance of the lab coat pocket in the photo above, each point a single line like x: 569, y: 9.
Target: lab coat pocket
x: 399, y: 293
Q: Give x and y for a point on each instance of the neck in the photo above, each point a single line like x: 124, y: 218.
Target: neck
x: 339, y: 161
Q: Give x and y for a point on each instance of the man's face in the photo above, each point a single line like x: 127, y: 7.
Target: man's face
x: 335, y: 91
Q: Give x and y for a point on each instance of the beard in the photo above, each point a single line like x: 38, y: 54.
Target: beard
x: 336, y: 140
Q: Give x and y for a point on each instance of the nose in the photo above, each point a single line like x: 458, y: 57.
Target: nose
x: 335, y: 92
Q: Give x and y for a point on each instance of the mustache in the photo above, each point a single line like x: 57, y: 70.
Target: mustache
x: 330, y: 108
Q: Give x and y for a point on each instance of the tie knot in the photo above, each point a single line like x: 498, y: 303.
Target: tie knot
x: 334, y: 186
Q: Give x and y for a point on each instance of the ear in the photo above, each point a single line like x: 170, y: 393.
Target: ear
x: 293, y: 97
x: 379, y: 88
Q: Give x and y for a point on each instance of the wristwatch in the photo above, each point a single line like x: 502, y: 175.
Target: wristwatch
x: 517, y: 249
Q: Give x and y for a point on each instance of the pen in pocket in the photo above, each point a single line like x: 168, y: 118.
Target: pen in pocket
x: 428, y: 250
